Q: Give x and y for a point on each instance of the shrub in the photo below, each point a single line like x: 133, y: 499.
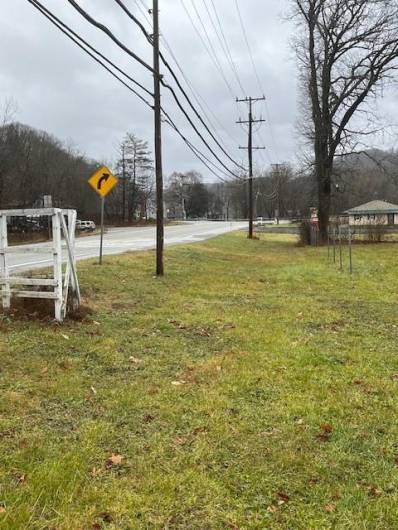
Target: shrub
x: 375, y: 233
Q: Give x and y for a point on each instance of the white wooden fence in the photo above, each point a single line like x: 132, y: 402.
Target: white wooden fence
x: 65, y: 287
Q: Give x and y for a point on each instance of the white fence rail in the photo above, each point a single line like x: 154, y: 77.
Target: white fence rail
x: 65, y: 287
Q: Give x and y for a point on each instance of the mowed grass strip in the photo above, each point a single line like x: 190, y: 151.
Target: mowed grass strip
x: 254, y: 387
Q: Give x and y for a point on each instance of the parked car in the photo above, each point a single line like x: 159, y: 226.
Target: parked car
x: 85, y: 226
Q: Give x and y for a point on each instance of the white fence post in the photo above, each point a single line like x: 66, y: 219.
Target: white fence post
x: 57, y: 252
x: 5, y: 288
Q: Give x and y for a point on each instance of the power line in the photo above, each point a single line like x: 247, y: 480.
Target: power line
x: 197, y: 152
x: 108, y: 32
x: 144, y: 11
x: 73, y: 36
x: 64, y: 28
x: 199, y: 99
x: 260, y: 84
x: 165, y: 62
x: 224, y: 45
x: 214, y: 60
x: 248, y: 46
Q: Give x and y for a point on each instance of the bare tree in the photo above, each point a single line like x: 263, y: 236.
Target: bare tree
x: 135, y: 167
x: 348, y: 48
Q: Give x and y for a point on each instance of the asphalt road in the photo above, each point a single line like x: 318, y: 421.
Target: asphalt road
x: 117, y: 241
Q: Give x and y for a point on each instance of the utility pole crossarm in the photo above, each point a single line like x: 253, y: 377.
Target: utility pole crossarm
x: 253, y: 148
x: 245, y: 122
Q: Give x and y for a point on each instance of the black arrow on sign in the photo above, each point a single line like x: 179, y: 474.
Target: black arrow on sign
x: 102, y: 180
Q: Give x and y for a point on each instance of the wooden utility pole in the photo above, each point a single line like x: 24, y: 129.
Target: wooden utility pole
x: 250, y: 150
x: 158, y: 143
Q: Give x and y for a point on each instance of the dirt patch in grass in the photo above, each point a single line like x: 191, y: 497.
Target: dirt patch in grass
x: 31, y: 309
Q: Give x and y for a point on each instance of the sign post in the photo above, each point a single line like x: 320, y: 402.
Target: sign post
x: 102, y: 228
x: 102, y: 182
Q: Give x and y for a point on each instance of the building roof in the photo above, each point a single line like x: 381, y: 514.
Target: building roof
x: 374, y: 207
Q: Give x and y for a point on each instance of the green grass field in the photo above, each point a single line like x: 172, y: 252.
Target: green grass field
x: 254, y: 387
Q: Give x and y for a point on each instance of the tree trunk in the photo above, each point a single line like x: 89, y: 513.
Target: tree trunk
x: 323, y: 178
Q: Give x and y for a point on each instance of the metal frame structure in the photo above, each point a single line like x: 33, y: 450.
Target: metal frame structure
x: 64, y: 286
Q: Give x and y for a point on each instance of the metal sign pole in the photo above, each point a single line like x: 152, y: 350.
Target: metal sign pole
x: 334, y: 245
x: 328, y: 244
x: 102, y: 228
x: 340, y: 249
x: 350, y: 245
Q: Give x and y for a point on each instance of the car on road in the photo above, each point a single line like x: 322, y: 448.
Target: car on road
x: 85, y: 226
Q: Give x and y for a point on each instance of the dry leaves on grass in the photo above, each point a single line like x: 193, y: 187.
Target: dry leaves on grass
x: 135, y: 360
x: 326, y: 432
x: 114, y: 461
x: 2, y: 509
x: 374, y: 491
x: 282, y: 498
x: 178, y: 383
x: 330, y: 508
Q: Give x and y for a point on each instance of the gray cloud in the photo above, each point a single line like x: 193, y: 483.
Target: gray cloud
x: 64, y: 92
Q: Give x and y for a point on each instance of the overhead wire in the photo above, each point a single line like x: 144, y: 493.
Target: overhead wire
x: 214, y: 61
x: 198, y: 98
x: 197, y: 152
x: 224, y: 45
x: 64, y: 28
x: 165, y: 62
x: 73, y: 36
x: 110, y: 34
x: 255, y: 70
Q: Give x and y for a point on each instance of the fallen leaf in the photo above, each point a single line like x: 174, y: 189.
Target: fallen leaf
x: 106, y: 517
x: 300, y: 421
x: 96, y: 323
x: 135, y: 360
x: 114, y: 460
x: 374, y: 491
x: 20, y: 478
x: 330, y: 508
x: 65, y: 336
x: 178, y: 383
x: 95, y: 472
x: 200, y: 430
x: 2, y: 509
x: 283, y: 497
x: 93, y: 390
x: 272, y: 509
x: 326, y: 427
x: 326, y: 432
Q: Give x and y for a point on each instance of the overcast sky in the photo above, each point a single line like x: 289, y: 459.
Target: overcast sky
x: 61, y: 90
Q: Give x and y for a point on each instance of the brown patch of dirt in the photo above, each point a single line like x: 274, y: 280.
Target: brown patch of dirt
x: 43, y: 310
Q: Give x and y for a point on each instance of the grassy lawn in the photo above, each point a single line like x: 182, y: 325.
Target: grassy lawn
x: 255, y: 387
